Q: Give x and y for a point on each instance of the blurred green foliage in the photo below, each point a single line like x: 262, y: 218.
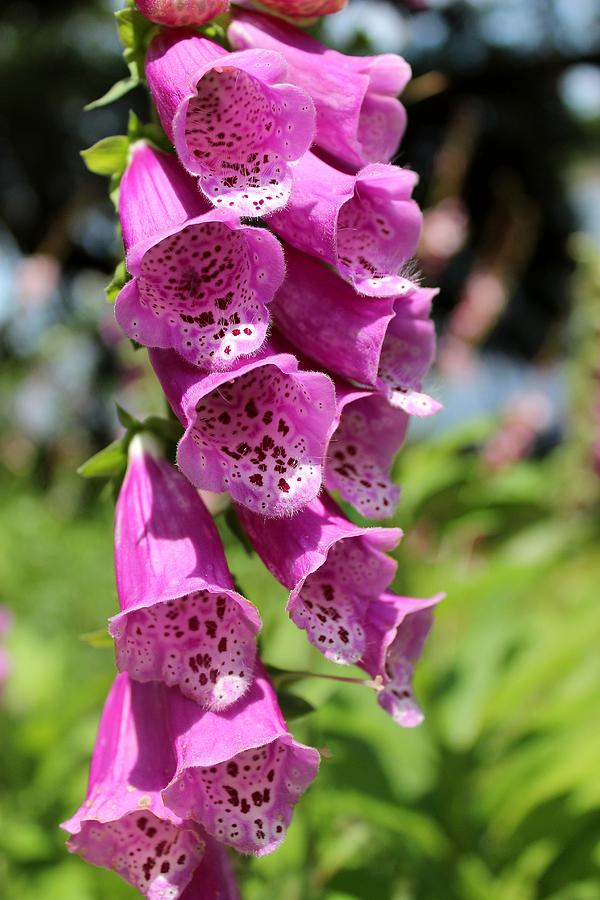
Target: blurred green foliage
x: 495, y: 797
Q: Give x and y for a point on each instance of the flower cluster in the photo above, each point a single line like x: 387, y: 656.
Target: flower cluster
x: 270, y: 262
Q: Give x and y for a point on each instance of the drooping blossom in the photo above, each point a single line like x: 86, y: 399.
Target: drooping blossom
x: 259, y: 432
x: 359, y: 118
x: 232, y: 117
x: 123, y: 823
x: 202, y: 280
x: 176, y: 13
x: 397, y: 630
x: 239, y: 773
x: 366, y: 225
x: 362, y: 450
x: 303, y: 9
x: 181, y: 621
x: 338, y: 576
x: 388, y: 344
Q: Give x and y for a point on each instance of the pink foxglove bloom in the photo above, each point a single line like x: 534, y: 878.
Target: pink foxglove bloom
x: 359, y: 119
x: 366, y: 225
x: 202, y: 281
x: 232, y: 117
x: 176, y: 13
x: 338, y: 575
x: 304, y: 9
x: 260, y: 432
x: 362, y: 451
x: 181, y: 620
x: 332, y: 569
x: 123, y: 823
x: 389, y: 344
x: 240, y: 773
x: 396, y: 633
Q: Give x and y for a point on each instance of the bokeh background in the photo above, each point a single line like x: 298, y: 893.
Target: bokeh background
x: 497, y: 795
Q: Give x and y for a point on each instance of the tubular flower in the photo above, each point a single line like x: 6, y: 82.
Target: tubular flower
x: 202, y: 281
x: 338, y: 575
x: 389, y: 344
x: 332, y: 569
x: 176, y: 13
x: 396, y: 633
x: 123, y: 823
x: 259, y: 432
x: 359, y: 120
x: 214, y: 878
x: 239, y: 774
x: 232, y: 118
x: 365, y: 225
x: 362, y: 451
x: 181, y: 621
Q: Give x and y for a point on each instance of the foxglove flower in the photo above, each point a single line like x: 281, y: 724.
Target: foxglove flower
x: 338, y: 575
x: 396, y: 633
x: 359, y: 119
x: 332, y: 569
x: 304, y: 9
x: 260, y: 432
x: 202, y: 281
x: 123, y: 823
x: 232, y: 118
x: 362, y: 451
x: 365, y: 225
x: 389, y: 344
x: 176, y: 13
x: 181, y: 620
x: 239, y: 774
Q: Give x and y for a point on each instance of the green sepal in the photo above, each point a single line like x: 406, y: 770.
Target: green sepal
x: 110, y: 462
x: 99, y: 640
x: 119, y: 280
x: 292, y: 706
x: 118, y: 90
x: 108, y: 156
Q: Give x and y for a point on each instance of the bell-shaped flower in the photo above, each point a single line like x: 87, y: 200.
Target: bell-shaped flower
x: 332, y: 568
x: 259, y: 432
x: 202, y: 280
x: 181, y: 621
x: 232, y: 117
x: 123, y: 823
x: 362, y: 451
x: 239, y: 773
x: 388, y: 344
x: 396, y: 633
x: 176, y: 13
x: 338, y: 575
x: 359, y: 120
x: 366, y: 225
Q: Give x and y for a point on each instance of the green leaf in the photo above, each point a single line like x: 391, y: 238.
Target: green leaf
x: 100, y: 639
x: 108, y: 156
x: 119, y: 280
x: 118, y: 90
x: 110, y: 462
x: 293, y: 707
